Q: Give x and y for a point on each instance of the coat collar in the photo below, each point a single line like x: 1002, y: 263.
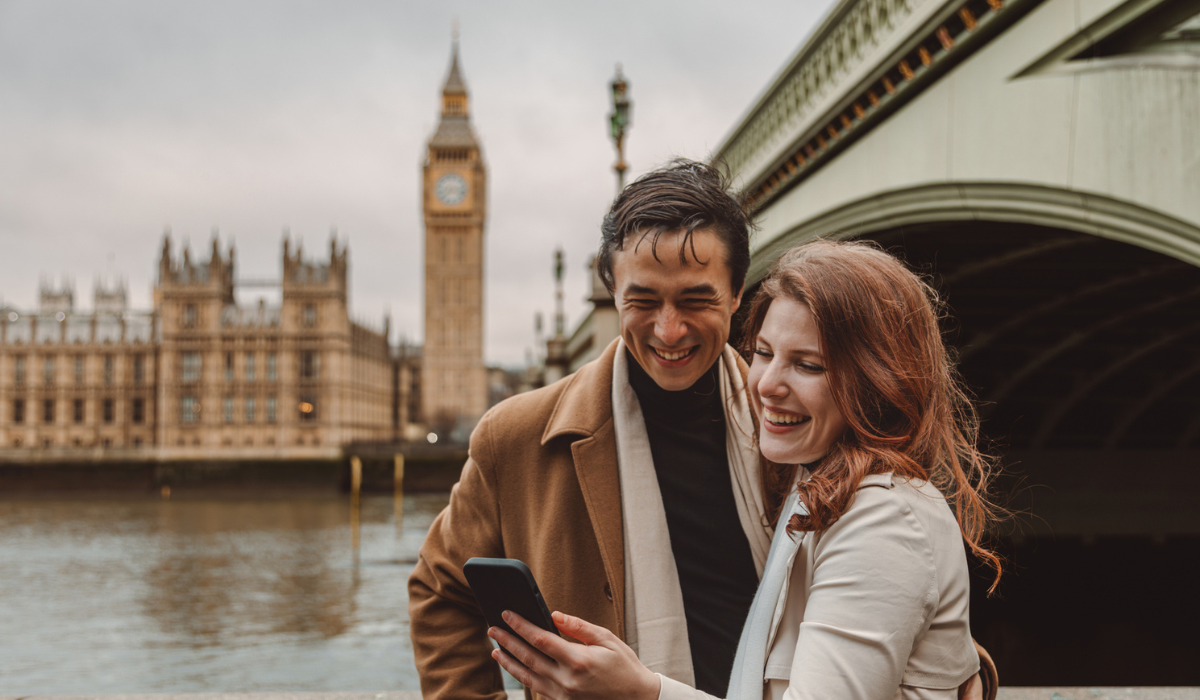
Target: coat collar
x: 586, y: 402
x: 584, y: 412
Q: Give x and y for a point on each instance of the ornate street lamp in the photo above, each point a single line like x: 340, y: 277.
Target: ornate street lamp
x: 618, y: 122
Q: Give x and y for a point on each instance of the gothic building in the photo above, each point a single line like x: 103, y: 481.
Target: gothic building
x: 454, y: 382
x: 79, y: 379
x: 199, y: 376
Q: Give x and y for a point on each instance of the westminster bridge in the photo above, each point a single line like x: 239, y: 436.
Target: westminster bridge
x: 1040, y: 159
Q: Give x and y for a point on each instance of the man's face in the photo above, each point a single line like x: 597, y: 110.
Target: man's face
x: 675, y: 314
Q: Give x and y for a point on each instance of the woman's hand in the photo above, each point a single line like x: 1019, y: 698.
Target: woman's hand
x: 602, y: 667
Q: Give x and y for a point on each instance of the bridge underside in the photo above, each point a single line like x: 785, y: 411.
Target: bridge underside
x: 1072, y: 342
x: 1085, y: 355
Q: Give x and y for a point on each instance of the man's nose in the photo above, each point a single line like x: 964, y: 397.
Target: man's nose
x: 669, y: 328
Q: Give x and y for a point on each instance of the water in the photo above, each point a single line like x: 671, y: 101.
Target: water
x: 149, y: 596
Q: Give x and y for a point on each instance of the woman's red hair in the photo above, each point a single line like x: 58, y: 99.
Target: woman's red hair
x: 892, y: 379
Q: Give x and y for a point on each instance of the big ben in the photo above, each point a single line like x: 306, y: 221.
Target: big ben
x: 454, y: 381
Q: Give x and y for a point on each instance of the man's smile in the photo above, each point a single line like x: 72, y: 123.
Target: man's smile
x: 673, y: 355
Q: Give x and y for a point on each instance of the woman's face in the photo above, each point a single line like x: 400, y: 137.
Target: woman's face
x: 799, y: 420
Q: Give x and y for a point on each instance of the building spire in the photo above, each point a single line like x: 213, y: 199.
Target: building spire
x: 454, y: 81
x: 454, y: 130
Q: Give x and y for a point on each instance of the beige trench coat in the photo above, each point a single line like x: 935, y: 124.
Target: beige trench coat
x: 876, y: 607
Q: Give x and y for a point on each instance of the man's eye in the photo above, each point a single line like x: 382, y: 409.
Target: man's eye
x: 697, y: 302
x: 642, y: 302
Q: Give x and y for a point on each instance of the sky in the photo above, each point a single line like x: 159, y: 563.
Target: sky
x: 119, y: 119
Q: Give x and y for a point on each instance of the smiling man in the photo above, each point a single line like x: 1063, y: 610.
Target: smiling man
x: 631, y: 488
x: 624, y: 487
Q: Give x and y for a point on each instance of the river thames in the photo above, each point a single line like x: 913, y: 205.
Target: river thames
x: 218, y: 595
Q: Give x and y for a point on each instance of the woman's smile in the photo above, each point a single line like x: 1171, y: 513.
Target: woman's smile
x: 800, y: 419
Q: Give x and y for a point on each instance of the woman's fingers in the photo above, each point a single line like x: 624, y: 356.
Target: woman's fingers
x: 522, y: 673
x: 520, y: 650
x: 603, y: 666
x: 584, y: 631
x: 550, y: 644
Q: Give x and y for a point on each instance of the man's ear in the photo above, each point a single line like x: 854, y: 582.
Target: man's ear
x: 737, y: 299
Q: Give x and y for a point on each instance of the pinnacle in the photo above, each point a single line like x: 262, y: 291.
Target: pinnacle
x: 454, y: 81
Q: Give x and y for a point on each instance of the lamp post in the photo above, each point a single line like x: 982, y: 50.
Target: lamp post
x: 618, y: 122
x: 559, y: 321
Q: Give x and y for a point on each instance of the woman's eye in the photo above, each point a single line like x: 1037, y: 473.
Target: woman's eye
x: 809, y: 367
x: 761, y: 353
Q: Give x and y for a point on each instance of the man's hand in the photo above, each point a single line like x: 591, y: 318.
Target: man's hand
x: 602, y: 667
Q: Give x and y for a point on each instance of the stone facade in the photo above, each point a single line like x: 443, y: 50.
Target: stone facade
x: 200, y: 377
x: 455, y: 386
x: 82, y: 380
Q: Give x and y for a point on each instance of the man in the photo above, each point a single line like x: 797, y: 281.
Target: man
x: 630, y: 488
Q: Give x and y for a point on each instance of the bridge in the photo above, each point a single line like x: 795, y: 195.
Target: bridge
x: 1040, y: 159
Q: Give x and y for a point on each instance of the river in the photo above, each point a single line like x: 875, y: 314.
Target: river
x: 220, y: 595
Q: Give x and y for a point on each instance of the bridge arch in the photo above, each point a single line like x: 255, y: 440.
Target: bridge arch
x: 1008, y: 202
x: 1074, y: 314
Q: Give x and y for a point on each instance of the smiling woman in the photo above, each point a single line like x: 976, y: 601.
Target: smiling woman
x: 867, y: 359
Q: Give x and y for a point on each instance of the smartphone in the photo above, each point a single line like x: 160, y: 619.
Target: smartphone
x: 507, y: 584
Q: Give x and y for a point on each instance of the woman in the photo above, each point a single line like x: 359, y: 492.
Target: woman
x: 867, y: 438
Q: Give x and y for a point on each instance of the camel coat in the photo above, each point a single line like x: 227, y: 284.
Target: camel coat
x: 540, y: 485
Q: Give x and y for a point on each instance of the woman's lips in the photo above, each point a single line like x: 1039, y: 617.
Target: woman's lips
x: 777, y: 421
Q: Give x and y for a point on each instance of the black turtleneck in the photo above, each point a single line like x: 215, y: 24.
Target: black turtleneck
x: 716, y: 569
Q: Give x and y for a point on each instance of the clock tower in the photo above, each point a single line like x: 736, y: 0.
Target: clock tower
x: 454, y: 381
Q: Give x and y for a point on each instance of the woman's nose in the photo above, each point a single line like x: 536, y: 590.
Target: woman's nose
x: 771, y: 382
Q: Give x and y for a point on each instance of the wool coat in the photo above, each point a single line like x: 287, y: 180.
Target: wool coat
x: 540, y: 485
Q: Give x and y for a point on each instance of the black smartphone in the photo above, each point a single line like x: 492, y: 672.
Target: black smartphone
x: 507, y: 584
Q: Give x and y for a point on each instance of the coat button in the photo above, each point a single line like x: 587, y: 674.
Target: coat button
x: 607, y: 592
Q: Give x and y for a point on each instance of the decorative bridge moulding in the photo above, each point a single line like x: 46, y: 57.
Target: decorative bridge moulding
x: 1072, y: 210
x: 866, y: 60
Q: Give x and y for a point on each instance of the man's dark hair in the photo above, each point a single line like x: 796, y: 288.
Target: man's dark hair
x: 683, y: 195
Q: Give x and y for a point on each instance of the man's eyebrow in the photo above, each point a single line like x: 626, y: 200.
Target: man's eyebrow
x: 639, y: 289
x: 705, y: 289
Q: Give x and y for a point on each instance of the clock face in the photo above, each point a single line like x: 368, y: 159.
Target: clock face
x: 451, y: 189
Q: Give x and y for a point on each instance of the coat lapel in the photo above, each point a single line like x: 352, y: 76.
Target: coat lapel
x: 584, y: 416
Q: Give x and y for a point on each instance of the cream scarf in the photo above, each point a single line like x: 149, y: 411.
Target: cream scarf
x: 655, y: 625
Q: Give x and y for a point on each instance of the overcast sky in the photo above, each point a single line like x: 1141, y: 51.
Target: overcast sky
x: 122, y: 117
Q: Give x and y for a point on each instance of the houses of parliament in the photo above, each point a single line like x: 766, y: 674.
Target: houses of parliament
x: 199, y: 376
